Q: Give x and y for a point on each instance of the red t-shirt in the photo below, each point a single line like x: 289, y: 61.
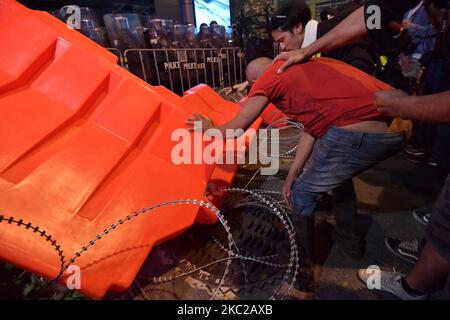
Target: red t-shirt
x: 321, y: 93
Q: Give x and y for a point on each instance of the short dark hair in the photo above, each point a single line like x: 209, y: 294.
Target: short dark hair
x: 289, y: 15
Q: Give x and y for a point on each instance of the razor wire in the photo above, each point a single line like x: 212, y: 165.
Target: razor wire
x: 267, y: 206
x: 287, y: 223
x: 41, y: 232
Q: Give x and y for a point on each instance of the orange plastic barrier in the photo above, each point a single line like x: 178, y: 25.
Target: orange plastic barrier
x: 84, y: 143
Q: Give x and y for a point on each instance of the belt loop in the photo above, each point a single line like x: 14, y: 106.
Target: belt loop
x: 357, y: 139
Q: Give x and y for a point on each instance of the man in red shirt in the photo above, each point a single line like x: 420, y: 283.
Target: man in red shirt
x: 344, y: 132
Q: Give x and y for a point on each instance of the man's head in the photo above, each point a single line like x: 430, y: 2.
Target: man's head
x: 287, y: 25
x: 256, y: 67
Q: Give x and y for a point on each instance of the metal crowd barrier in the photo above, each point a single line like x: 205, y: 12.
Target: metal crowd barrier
x: 235, y: 65
x: 181, y: 69
x: 118, y: 54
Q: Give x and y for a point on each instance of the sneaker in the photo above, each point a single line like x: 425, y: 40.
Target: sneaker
x: 432, y: 162
x: 414, y: 158
x: 406, y: 250
x: 411, y: 146
x: 423, y: 215
x: 414, y: 151
x: 418, y: 156
x: 389, y: 282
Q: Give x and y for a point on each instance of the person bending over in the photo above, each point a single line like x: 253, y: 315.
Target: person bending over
x: 344, y: 135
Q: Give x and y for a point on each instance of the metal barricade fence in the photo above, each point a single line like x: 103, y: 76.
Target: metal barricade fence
x: 118, y: 54
x: 234, y: 68
x: 183, y: 68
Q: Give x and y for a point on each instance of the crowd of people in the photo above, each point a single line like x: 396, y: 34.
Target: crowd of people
x: 129, y: 30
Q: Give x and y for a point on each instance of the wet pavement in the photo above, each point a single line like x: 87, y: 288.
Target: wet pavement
x: 389, y: 192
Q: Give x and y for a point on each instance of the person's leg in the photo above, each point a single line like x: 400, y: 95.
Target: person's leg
x: 417, y: 141
x: 433, y: 266
x: 364, y: 152
x: 429, y: 272
x: 430, y: 132
x: 304, y: 204
x: 351, y: 228
x: 318, y: 177
x: 441, y: 151
x: 337, y: 158
x: 344, y: 210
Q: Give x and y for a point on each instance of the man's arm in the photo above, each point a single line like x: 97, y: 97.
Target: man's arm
x: 304, y: 149
x: 251, y: 109
x: 431, y: 108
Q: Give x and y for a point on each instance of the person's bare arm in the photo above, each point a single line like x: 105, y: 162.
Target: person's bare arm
x: 304, y: 149
x: 431, y: 108
x: 348, y: 31
x: 251, y: 109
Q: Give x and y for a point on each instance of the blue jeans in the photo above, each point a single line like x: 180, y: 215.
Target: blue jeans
x: 338, y: 157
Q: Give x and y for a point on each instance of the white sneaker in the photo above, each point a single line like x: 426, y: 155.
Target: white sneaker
x: 388, y: 281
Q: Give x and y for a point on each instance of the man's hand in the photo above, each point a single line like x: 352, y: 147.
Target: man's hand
x: 385, y: 102
x: 409, y: 24
x: 206, y: 123
x: 406, y: 22
x: 237, y: 88
x: 291, y: 57
x: 290, y: 179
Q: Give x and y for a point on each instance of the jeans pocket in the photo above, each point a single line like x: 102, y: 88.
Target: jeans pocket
x: 322, y: 149
x: 328, y: 159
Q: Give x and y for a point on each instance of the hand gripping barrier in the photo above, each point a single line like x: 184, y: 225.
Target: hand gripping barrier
x: 84, y: 143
